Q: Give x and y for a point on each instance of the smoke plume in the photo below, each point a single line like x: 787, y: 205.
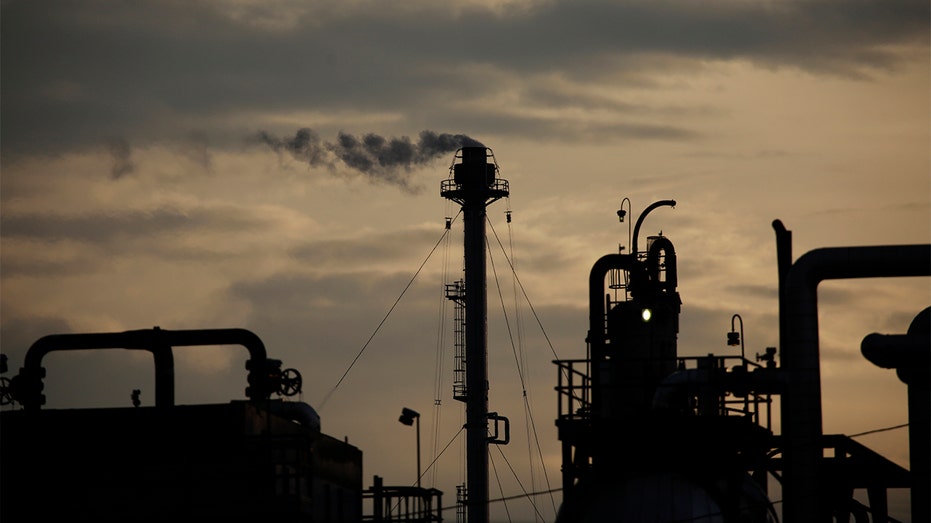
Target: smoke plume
x: 380, y: 159
x: 122, y: 163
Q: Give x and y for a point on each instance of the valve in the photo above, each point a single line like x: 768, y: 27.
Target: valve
x: 264, y: 378
x: 291, y: 382
x: 769, y: 357
x: 6, y: 395
x: 27, y: 386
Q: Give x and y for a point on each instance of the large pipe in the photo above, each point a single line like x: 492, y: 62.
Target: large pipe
x: 643, y: 215
x: 910, y: 355
x: 664, y: 245
x: 783, y: 264
x: 596, y: 300
x: 157, y: 341
x: 801, y: 400
x: 760, y: 381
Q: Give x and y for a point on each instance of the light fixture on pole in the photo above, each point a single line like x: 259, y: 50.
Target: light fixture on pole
x: 621, y: 213
x: 735, y: 337
x: 407, y: 417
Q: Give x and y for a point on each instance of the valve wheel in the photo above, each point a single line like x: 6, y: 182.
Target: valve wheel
x: 291, y: 382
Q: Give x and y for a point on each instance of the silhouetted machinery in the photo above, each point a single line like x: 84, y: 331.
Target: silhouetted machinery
x: 261, y: 459
x: 645, y: 435
x: 648, y: 435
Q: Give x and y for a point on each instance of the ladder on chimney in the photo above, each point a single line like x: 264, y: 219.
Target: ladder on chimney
x: 456, y: 292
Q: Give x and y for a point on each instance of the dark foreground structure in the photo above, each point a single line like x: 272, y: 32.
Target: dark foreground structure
x: 648, y: 435
x: 260, y: 459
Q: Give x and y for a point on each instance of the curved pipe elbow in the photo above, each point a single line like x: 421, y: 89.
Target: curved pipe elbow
x: 596, y: 282
x: 665, y: 245
x: 643, y: 215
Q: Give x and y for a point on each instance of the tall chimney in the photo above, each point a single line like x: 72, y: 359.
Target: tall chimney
x: 474, y: 186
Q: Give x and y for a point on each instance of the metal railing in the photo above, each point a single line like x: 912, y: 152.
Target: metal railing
x: 574, y: 389
x: 403, y: 504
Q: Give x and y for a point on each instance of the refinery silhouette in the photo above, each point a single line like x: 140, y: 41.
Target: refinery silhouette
x: 646, y: 435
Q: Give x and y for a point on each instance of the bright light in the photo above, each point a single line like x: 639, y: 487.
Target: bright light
x: 646, y: 314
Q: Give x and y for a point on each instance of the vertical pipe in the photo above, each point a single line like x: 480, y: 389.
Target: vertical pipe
x: 783, y: 264
x: 164, y: 375
x: 910, y: 355
x: 801, y: 399
x: 919, y: 416
x: 418, y: 452
x: 378, y: 500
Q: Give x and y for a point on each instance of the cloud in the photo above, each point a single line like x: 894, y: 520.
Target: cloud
x: 380, y: 159
x: 197, y: 149
x: 381, y: 249
x: 105, y: 228
x: 78, y: 73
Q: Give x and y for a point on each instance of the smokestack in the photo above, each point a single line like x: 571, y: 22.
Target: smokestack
x: 474, y: 186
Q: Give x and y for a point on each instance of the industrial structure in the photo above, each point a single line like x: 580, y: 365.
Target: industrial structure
x: 474, y: 185
x: 646, y: 434
x: 260, y: 458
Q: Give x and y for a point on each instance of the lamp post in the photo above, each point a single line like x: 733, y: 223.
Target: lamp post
x: 407, y: 417
x: 735, y: 337
x: 621, y: 213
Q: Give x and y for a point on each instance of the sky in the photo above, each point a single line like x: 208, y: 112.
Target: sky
x: 275, y: 165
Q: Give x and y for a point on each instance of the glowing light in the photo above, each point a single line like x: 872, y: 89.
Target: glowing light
x: 646, y: 314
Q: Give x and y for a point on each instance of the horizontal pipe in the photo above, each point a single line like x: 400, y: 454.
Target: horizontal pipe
x: 144, y: 339
x: 891, y: 351
x: 760, y: 381
x: 157, y: 341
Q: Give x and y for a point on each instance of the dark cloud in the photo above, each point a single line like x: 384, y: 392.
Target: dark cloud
x: 67, y: 245
x: 760, y: 291
x: 18, y: 333
x: 102, y: 228
x: 76, y: 73
x: 39, y: 265
x: 374, y: 249
x: 380, y: 159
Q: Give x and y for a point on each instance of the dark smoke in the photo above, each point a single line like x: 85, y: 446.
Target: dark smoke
x: 380, y: 159
x: 305, y: 146
x: 197, y: 149
x: 122, y: 163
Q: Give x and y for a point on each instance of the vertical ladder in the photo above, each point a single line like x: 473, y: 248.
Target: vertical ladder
x: 462, y: 495
x: 456, y: 292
